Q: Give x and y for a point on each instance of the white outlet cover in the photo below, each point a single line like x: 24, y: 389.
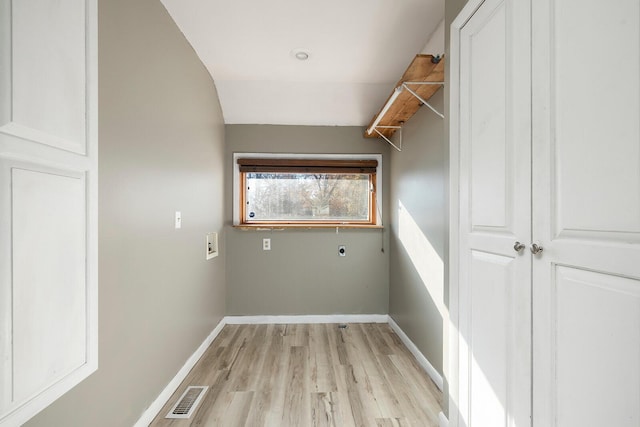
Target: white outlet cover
x: 178, y: 220
x: 266, y: 244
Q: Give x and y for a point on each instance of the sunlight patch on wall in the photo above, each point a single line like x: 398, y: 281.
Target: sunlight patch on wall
x: 424, y: 257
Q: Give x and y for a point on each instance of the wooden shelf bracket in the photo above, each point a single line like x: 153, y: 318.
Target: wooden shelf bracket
x: 424, y: 76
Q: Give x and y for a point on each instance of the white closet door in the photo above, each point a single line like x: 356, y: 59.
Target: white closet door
x: 48, y: 202
x: 495, y: 213
x: 586, y: 200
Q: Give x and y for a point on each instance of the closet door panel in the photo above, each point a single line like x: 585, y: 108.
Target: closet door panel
x: 491, y: 279
x: 595, y: 112
x: 586, y: 211
x: 607, y: 313
x: 494, y: 202
x: 489, y: 173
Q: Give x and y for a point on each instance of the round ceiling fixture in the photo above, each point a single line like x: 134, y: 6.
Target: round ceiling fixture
x: 300, y: 54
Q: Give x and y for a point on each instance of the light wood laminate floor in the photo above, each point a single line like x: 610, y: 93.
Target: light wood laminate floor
x: 309, y: 375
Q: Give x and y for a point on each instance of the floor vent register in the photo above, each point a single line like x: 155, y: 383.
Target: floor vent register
x: 188, y: 402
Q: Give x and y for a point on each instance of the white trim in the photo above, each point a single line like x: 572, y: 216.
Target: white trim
x: 442, y: 420
x: 320, y: 318
x: 156, y: 406
x: 422, y: 360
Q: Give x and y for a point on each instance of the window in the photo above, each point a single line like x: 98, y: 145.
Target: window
x: 275, y: 191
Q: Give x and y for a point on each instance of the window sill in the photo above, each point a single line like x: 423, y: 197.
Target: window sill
x: 276, y: 227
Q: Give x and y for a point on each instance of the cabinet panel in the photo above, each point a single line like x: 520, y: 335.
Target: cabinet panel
x: 44, y: 89
x: 48, y: 202
x: 49, y: 313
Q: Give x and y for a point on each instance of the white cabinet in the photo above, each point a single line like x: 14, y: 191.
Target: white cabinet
x: 545, y: 138
x: 48, y: 202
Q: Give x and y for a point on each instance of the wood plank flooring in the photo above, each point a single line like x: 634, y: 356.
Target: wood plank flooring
x: 309, y: 375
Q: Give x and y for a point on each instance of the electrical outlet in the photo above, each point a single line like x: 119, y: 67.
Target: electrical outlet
x: 178, y: 220
x: 266, y: 244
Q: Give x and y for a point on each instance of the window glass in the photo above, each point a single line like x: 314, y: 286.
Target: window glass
x: 303, y: 197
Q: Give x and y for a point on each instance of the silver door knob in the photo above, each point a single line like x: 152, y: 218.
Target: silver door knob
x: 518, y: 246
x: 536, y: 249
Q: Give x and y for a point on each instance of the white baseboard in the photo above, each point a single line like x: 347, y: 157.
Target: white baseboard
x: 321, y: 318
x: 442, y: 420
x: 165, y: 395
x: 422, y: 360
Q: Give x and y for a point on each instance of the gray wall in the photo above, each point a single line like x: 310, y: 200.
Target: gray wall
x: 161, y: 150
x: 418, y: 232
x: 303, y: 274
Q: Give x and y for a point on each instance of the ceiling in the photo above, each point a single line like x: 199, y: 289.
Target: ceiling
x: 357, y: 50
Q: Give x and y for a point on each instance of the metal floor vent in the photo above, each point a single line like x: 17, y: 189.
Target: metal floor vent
x: 188, y: 402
